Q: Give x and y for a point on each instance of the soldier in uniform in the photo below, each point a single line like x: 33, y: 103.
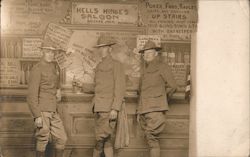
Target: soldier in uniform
x: 109, y: 95
x: 153, y: 96
x: 43, y: 94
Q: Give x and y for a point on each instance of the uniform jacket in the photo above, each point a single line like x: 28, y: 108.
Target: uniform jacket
x: 153, y: 87
x: 42, y: 88
x: 109, y: 85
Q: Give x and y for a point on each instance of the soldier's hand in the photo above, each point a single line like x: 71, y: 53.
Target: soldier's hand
x: 113, y: 115
x: 58, y: 95
x: 39, y: 122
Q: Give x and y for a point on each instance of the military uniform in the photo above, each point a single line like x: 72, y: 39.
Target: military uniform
x: 153, y: 99
x: 109, y: 95
x: 153, y: 87
x: 43, y: 85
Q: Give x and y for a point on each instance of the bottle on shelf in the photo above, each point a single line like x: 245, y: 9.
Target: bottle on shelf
x: 22, y: 75
x: 5, y: 51
x: 19, y: 49
x: 11, y: 49
x: 27, y: 76
x: 74, y: 84
x: 14, y: 49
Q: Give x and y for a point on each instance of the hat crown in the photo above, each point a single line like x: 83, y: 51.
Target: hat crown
x: 105, y: 40
x: 149, y: 45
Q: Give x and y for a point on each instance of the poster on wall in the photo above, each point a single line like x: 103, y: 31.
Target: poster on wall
x: 57, y: 36
x: 85, y: 57
x: 142, y: 39
x: 9, y: 72
x: 62, y: 60
x: 31, y: 16
x: 173, y: 20
x: 104, y: 14
x: 31, y: 47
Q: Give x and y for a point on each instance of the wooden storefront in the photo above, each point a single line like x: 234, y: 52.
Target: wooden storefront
x: 24, y: 24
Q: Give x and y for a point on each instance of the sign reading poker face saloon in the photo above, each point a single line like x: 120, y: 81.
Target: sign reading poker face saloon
x: 173, y: 20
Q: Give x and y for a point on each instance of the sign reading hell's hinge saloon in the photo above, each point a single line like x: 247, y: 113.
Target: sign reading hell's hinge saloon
x: 104, y: 14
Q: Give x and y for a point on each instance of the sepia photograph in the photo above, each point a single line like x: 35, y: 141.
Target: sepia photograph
x: 113, y: 78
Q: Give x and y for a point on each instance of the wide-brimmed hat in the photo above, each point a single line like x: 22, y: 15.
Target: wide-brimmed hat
x: 46, y: 45
x: 150, y: 45
x: 104, y: 40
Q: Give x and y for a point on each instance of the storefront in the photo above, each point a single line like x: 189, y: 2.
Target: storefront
x: 75, y: 26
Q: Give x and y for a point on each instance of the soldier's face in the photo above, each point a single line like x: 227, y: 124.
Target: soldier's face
x: 149, y: 55
x: 48, y: 55
x: 105, y: 51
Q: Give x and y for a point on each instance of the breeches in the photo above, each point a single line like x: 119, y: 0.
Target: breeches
x: 104, y: 130
x: 52, y: 129
x: 152, y: 124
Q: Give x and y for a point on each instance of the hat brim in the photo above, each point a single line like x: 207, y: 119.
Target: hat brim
x: 156, y: 48
x: 102, y: 45
x: 49, y: 48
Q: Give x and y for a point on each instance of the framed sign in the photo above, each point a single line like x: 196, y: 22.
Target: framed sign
x: 104, y: 14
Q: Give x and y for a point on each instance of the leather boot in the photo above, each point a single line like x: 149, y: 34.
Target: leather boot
x: 108, y: 151
x: 40, y: 154
x: 154, y: 152
x: 59, y: 152
x: 97, y: 153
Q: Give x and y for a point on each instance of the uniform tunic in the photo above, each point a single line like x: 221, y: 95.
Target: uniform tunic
x: 153, y: 100
x: 153, y: 87
x: 109, y: 85
x: 109, y: 95
x: 43, y: 84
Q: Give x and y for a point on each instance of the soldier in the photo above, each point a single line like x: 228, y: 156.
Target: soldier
x: 153, y: 100
x: 43, y: 94
x: 109, y: 96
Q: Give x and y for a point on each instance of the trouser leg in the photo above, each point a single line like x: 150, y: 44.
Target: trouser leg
x: 154, y: 152
x: 40, y: 154
x: 108, y: 147
x: 118, y: 152
x: 153, y: 124
x: 98, y: 149
x: 154, y: 148
x: 104, y: 135
x: 58, y: 133
x: 59, y: 152
x: 43, y: 134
